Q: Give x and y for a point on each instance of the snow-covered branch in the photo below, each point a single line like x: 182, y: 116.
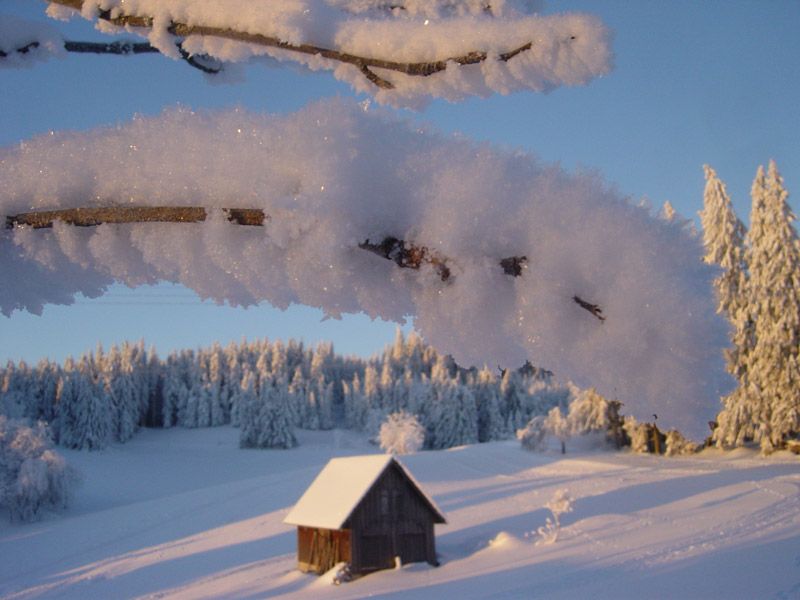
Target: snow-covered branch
x: 378, y: 51
x: 92, y: 216
x: 523, y: 245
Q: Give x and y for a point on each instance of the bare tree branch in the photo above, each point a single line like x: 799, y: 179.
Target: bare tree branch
x: 363, y: 63
x: 90, y: 217
x: 21, y: 50
x: 123, y: 48
x: 594, y: 309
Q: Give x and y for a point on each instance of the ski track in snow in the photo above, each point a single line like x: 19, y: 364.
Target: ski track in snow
x: 186, y: 514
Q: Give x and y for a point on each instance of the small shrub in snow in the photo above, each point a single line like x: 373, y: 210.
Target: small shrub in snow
x: 638, y: 434
x: 559, y: 504
x: 33, y: 476
x: 533, y: 435
x: 678, y: 445
x: 401, y: 433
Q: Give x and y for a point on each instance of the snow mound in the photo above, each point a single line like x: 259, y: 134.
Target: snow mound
x: 334, y: 175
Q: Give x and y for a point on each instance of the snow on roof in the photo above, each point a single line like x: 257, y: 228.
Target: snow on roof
x: 340, y: 486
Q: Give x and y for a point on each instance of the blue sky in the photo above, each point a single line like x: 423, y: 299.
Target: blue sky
x: 714, y: 82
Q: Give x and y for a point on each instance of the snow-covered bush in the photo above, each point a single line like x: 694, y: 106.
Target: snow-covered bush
x: 558, y: 426
x: 637, y: 433
x: 678, y: 445
x: 559, y: 504
x: 33, y: 476
x: 401, y: 433
x: 588, y: 412
x: 534, y: 434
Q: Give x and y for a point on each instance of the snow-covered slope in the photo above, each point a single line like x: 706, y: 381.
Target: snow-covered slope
x: 185, y: 513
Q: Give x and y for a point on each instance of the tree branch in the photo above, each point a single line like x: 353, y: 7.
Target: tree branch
x: 405, y: 255
x: 363, y: 63
x: 90, y: 217
x: 124, y: 48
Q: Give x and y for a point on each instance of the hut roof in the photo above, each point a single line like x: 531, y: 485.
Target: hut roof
x: 339, y: 488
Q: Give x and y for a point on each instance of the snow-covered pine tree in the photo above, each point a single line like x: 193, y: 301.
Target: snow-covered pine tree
x: 511, y: 401
x: 491, y: 425
x: 773, y: 378
x: 723, y: 238
x: 217, y: 387
x: 84, y: 421
x: 122, y: 390
x: 455, y: 416
x: 267, y: 421
x: 249, y: 410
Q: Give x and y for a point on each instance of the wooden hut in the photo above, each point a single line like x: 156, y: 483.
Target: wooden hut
x: 367, y: 511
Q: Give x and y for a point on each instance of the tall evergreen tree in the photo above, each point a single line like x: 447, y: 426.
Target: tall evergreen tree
x: 723, y: 238
x: 766, y: 407
x: 774, y: 381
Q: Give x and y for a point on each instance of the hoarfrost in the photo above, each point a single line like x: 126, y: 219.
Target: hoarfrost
x: 332, y: 176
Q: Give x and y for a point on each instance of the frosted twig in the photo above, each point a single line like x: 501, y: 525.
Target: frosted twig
x: 594, y: 309
x: 363, y: 63
x: 122, y: 48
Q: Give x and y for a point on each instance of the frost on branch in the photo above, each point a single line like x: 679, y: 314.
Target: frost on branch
x: 328, y: 181
x: 402, y: 52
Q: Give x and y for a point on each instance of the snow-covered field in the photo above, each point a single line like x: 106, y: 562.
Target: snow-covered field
x: 186, y: 513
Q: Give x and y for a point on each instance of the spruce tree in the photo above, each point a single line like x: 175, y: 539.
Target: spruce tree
x: 723, y: 238
x: 766, y: 407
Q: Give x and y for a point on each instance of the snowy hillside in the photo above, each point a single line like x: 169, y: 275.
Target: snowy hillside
x: 185, y: 513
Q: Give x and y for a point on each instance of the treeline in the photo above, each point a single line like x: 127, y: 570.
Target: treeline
x: 268, y: 389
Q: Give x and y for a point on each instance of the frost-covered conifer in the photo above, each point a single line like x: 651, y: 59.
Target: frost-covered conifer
x: 773, y: 378
x: 266, y: 419
x: 723, y: 238
x: 455, y: 416
x: 511, y: 401
x: 84, y: 419
x: 491, y: 425
x: 218, y: 393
